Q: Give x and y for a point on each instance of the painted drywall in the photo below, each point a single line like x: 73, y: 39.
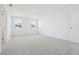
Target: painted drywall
x: 53, y: 22
x: 16, y: 12
x: 8, y: 26
x: 9, y: 14
x: 50, y: 23
x: 3, y: 27
x: 56, y: 25
x: 0, y: 31
x: 28, y: 11
x: 59, y: 24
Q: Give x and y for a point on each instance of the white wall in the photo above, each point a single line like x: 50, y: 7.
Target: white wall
x: 8, y: 26
x: 0, y: 31
x: 16, y: 12
x: 56, y: 25
x: 12, y: 12
x: 3, y: 27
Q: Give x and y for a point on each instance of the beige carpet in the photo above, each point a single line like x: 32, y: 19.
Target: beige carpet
x: 39, y: 45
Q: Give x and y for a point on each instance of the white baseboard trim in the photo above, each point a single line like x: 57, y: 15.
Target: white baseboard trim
x: 57, y: 37
x: 51, y: 36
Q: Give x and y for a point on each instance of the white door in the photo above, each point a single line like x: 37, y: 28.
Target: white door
x: 74, y: 23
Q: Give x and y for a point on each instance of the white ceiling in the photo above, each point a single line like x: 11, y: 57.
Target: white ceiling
x: 38, y: 9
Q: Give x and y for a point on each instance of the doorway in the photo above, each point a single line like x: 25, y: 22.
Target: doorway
x: 74, y: 23
x: 23, y: 25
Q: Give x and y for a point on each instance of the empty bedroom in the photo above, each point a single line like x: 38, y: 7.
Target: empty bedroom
x: 39, y: 29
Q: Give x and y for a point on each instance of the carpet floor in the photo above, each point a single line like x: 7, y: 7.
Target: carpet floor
x: 39, y: 45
